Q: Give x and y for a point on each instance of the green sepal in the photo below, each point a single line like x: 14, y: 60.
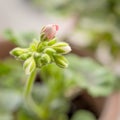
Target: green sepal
x: 43, y: 37
x: 52, y: 42
x: 60, y: 44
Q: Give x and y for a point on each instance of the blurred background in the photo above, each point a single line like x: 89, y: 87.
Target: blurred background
x: 91, y: 83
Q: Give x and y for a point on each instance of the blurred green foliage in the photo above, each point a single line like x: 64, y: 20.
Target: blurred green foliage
x: 10, y: 72
x: 21, y: 39
x: 97, y: 20
x: 100, y: 20
x: 93, y: 77
x: 83, y: 115
x: 52, y: 93
x: 84, y: 7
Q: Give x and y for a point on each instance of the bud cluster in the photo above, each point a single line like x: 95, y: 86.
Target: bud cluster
x: 43, y: 52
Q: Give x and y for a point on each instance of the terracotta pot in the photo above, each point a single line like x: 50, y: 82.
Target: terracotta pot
x: 5, y: 47
x: 111, y: 109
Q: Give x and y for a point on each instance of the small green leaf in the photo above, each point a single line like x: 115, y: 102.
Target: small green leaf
x: 6, y: 116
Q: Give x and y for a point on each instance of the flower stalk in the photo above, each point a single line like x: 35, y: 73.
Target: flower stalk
x: 29, y: 84
x: 41, y: 52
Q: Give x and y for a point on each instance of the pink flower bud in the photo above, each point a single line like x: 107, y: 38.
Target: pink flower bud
x: 50, y: 31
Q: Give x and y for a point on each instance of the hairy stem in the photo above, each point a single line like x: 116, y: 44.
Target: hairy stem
x: 29, y: 84
x: 27, y: 94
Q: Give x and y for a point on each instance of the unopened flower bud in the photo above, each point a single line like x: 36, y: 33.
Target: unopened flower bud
x: 61, y: 61
x: 29, y: 65
x: 18, y: 51
x: 60, y: 44
x: 37, y: 55
x: 45, y: 59
x: 62, y: 48
x: 49, y: 32
x: 24, y: 56
x: 49, y: 51
x: 66, y: 49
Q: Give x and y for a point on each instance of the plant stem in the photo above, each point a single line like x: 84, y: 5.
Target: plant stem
x: 29, y: 84
x: 36, y: 109
x: 27, y: 94
x: 29, y: 100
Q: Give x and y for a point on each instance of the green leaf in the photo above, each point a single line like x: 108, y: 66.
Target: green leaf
x: 83, y: 73
x: 23, y: 114
x: 11, y: 74
x: 6, y: 116
x: 21, y: 39
x: 89, y: 75
x: 4, y: 69
x: 83, y: 115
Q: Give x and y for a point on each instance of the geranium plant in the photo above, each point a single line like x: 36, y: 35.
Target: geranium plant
x: 39, y: 54
x: 51, y: 97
